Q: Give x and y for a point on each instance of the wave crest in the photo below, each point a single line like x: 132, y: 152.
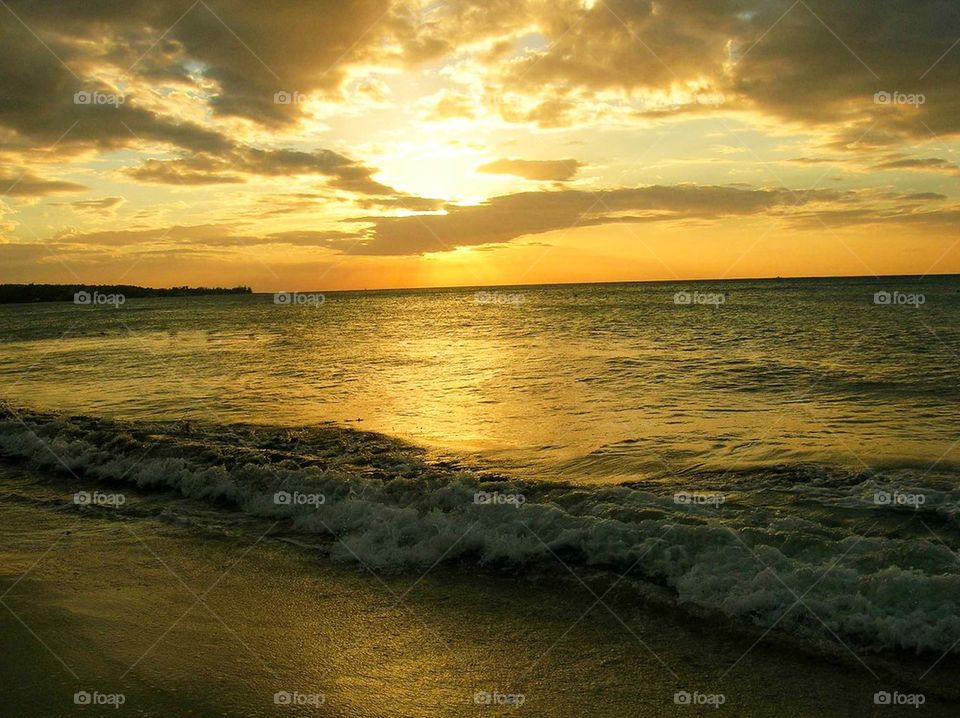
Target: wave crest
x: 803, y: 549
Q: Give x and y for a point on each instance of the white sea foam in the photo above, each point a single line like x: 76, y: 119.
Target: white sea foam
x: 846, y: 564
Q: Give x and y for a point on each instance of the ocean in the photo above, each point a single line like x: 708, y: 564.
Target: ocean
x: 782, y: 454
x: 590, y: 383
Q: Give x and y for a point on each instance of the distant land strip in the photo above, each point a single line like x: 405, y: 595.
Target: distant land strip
x: 26, y: 293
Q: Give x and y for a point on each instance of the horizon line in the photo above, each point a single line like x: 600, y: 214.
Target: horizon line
x: 621, y: 281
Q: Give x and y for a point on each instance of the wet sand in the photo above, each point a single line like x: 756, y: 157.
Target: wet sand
x: 184, y: 624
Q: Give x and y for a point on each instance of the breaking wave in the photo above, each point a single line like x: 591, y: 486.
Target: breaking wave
x: 867, y: 557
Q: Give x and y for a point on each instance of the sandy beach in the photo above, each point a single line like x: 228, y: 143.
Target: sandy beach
x: 168, y: 621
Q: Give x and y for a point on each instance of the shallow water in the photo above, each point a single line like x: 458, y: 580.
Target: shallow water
x: 785, y: 458
x: 864, y: 560
x: 115, y: 599
x: 575, y: 383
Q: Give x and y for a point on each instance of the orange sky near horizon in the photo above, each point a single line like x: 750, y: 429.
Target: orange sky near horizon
x: 453, y: 144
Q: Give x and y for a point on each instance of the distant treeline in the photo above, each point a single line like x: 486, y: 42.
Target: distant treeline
x: 18, y: 293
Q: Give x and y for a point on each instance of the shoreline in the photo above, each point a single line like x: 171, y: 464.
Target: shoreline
x: 401, y: 511
x: 85, y: 294
x: 372, y: 643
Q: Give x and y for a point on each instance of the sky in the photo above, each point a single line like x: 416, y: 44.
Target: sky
x: 293, y: 145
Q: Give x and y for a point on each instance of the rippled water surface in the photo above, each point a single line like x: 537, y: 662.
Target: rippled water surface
x: 580, y: 382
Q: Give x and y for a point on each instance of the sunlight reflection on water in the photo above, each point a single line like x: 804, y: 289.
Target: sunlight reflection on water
x: 604, y: 382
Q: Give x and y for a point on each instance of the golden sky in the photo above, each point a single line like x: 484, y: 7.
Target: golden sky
x: 295, y: 145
